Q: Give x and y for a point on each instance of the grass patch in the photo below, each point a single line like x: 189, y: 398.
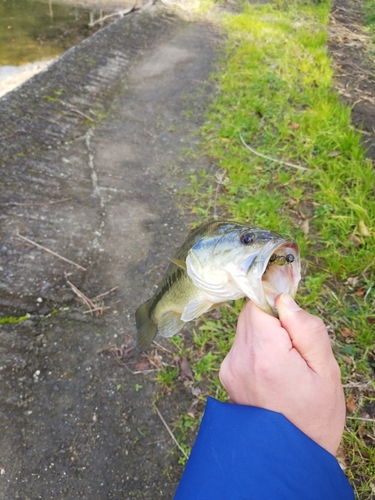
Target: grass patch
x: 275, y: 88
x: 369, y: 12
x: 13, y: 320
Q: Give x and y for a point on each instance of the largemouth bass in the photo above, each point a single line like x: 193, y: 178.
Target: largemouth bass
x: 219, y: 261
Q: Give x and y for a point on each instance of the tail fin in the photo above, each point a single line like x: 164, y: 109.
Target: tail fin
x: 146, y: 328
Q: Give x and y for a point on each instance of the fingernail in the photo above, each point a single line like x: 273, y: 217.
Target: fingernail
x: 289, y: 302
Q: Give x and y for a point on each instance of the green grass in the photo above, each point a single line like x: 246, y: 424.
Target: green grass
x: 12, y: 320
x: 275, y: 88
x: 369, y: 11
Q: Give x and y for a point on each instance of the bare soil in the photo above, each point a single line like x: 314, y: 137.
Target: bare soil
x: 354, y: 65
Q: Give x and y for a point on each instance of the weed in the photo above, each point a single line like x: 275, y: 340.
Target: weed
x: 12, y: 320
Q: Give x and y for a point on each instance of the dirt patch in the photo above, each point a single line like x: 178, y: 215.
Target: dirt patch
x: 354, y: 66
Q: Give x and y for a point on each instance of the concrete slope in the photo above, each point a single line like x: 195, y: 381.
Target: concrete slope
x: 76, y: 424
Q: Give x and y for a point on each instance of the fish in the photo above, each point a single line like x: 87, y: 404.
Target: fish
x: 218, y: 262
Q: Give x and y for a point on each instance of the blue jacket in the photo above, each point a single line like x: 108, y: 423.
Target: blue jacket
x: 248, y: 453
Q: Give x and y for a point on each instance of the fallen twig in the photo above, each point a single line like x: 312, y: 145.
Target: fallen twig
x: 92, y: 304
x: 286, y: 163
x: 171, y: 433
x: 15, y: 134
x: 75, y: 110
x: 47, y: 203
x: 99, y: 309
x: 81, y: 295
x: 50, y: 251
x: 101, y: 295
x: 362, y: 419
x: 359, y: 385
x: 162, y: 347
x: 120, y: 13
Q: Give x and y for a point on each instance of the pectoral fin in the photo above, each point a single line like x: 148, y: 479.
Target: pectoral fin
x: 195, y: 308
x: 146, y: 328
x: 170, y: 324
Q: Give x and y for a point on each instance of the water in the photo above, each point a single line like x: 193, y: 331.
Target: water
x: 34, y: 32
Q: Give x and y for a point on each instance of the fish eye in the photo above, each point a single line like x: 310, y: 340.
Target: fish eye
x: 247, y: 238
x: 289, y: 258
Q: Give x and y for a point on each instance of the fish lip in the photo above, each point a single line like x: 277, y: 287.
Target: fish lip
x: 264, y: 255
x: 258, y: 267
x: 268, y: 250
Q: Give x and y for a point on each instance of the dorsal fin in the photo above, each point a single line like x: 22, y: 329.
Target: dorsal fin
x: 179, y: 263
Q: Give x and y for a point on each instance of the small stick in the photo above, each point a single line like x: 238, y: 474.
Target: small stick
x: 105, y: 293
x: 35, y: 204
x: 81, y: 295
x: 286, y: 163
x: 99, y: 309
x: 362, y: 419
x: 50, y: 251
x: 358, y: 385
x: 163, y: 348
x: 17, y: 132
x: 75, y: 110
x: 171, y: 433
x: 154, y: 269
x: 120, y: 13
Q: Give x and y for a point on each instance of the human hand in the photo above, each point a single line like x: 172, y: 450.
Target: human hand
x: 287, y: 365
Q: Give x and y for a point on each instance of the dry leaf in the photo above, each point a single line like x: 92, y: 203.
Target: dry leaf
x: 185, y: 369
x: 196, y: 391
x: 341, y: 458
x: 156, y: 359
x: 363, y: 229
x: 354, y: 239
x: 360, y: 292
x: 347, y: 332
x: 353, y: 280
x: 305, y: 227
x: 333, y: 154
x: 142, y: 365
x: 362, y: 430
x: 351, y: 405
x: 347, y: 359
x: 191, y: 412
x: 294, y: 126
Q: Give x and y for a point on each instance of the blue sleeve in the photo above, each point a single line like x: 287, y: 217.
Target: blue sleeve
x: 248, y: 453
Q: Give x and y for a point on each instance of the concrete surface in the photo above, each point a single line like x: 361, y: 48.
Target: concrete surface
x: 76, y: 424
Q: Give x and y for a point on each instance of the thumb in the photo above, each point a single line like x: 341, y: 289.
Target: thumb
x: 307, y: 333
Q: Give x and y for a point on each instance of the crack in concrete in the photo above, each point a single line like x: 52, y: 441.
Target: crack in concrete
x: 91, y: 164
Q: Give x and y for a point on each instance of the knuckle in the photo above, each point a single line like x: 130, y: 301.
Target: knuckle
x: 316, y: 324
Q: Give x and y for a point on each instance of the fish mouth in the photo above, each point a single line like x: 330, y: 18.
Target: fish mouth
x: 276, y: 269
x: 282, y: 271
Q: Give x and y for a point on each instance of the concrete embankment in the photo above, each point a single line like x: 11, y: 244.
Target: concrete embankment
x: 93, y: 152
